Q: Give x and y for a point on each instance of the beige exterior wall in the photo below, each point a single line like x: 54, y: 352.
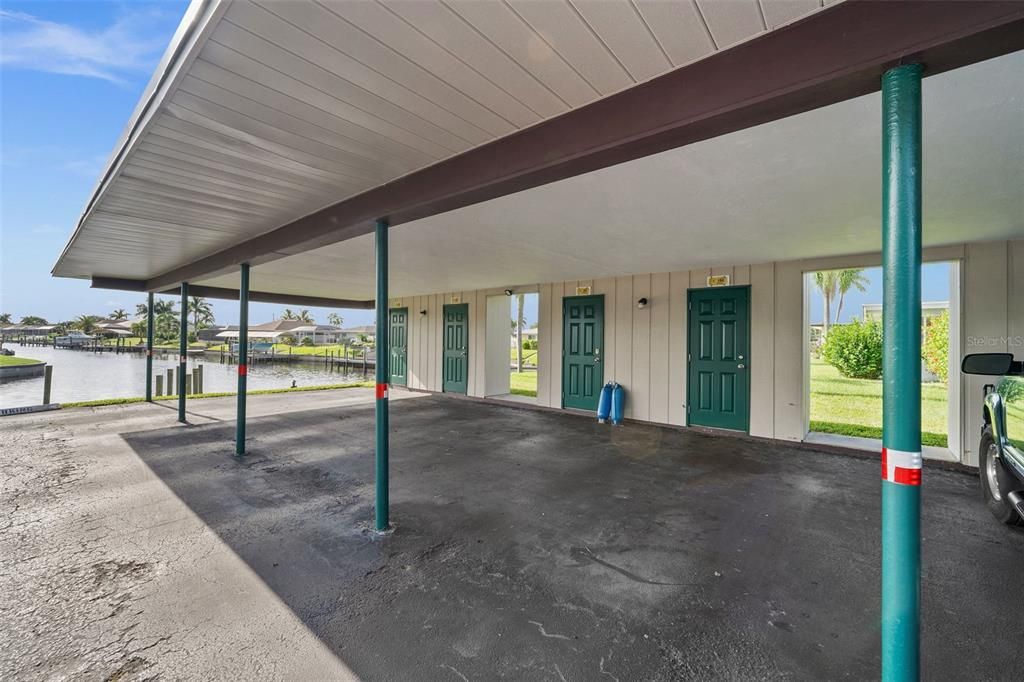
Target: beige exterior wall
x: 645, y: 349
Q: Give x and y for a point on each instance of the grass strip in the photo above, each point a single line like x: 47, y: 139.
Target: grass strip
x: 938, y: 440
x: 13, y: 361
x: 223, y: 394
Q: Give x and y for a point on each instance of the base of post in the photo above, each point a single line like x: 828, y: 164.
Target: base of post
x: 390, y: 530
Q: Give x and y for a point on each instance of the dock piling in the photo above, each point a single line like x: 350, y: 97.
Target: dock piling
x: 47, y: 383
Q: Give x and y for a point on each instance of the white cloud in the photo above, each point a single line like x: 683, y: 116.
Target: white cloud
x: 46, y: 228
x: 88, y: 168
x: 127, y: 46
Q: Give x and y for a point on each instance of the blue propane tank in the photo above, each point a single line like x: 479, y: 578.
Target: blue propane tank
x: 618, y: 403
x: 604, y: 404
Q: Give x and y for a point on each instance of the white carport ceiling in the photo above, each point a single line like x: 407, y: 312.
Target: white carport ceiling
x: 806, y: 186
x: 280, y: 108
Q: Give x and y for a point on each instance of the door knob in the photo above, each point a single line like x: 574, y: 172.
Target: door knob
x: 596, y: 359
x: 740, y: 366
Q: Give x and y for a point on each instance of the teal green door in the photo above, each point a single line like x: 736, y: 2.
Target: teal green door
x: 455, y: 358
x: 719, y: 358
x: 582, y: 341
x: 398, y: 340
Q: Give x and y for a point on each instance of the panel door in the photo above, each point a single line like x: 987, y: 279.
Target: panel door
x: 398, y: 340
x: 582, y: 341
x: 719, y: 358
x: 455, y: 356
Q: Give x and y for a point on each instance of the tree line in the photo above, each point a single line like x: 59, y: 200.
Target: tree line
x: 166, y: 319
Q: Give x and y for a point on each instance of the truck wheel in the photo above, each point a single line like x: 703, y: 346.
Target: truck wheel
x: 994, y: 481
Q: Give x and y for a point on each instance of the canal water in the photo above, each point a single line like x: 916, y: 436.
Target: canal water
x: 83, y: 375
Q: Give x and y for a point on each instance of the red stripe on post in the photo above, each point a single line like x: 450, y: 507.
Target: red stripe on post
x: 382, y: 391
x: 907, y: 476
x: 243, y: 370
x: 901, y: 467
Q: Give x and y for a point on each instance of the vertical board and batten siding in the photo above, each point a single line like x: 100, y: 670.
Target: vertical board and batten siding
x: 993, y: 322
x: 646, y: 349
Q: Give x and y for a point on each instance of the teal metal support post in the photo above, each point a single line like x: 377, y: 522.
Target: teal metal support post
x: 243, y: 358
x: 381, y: 368
x: 901, y: 373
x: 183, y: 352
x: 149, y: 350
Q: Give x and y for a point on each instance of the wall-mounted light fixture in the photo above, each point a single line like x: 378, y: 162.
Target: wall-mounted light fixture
x: 641, y: 303
x: 508, y: 292
x: 423, y: 312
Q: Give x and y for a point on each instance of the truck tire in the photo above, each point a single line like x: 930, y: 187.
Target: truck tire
x: 995, y: 481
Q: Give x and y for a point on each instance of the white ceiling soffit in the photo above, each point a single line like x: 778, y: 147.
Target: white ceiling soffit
x: 265, y: 111
x: 803, y: 187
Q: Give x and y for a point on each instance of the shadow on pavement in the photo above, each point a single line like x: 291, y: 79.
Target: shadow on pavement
x: 535, y: 545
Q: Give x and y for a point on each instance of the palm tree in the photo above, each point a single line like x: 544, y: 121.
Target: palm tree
x: 119, y: 314
x: 159, y: 308
x: 86, y: 323
x: 33, y: 320
x: 5, y: 318
x: 304, y: 316
x: 289, y: 315
x: 852, y: 278
x: 828, y: 283
x: 335, y: 319
x: 201, y: 312
x: 164, y: 308
x: 166, y: 325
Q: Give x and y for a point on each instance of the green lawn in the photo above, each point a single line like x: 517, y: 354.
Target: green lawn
x: 529, y: 357
x: 853, y: 407
x: 13, y: 361
x: 125, y: 341
x: 524, y: 384
x: 335, y: 350
x: 1015, y: 423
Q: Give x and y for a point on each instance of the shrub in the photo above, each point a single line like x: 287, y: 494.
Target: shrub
x: 1011, y: 389
x: 855, y: 349
x: 530, y: 344
x: 287, y: 339
x: 306, y: 341
x: 935, y: 347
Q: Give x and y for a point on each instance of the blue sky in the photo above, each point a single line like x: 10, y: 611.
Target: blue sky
x: 70, y: 76
x: 934, y: 287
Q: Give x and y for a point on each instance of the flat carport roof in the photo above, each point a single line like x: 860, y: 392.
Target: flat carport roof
x: 544, y: 546
x: 272, y: 130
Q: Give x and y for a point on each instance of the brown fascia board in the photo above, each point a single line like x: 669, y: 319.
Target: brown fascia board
x: 202, y: 291
x: 833, y: 55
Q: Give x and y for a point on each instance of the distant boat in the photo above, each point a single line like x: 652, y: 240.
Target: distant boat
x: 73, y: 338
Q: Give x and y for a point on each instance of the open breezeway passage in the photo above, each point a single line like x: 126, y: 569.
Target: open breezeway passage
x: 543, y: 546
